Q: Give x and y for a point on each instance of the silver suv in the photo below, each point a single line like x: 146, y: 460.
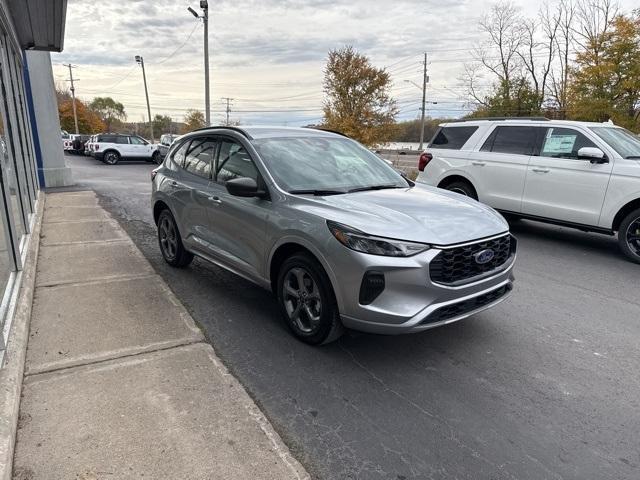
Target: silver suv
x: 338, y: 235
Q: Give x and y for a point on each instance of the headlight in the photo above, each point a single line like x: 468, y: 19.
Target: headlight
x: 361, y: 242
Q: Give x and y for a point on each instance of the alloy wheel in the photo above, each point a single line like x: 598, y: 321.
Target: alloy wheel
x: 633, y: 236
x: 168, y: 237
x: 302, y: 300
x: 111, y: 158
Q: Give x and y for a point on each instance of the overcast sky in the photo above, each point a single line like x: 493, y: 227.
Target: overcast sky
x: 267, y: 54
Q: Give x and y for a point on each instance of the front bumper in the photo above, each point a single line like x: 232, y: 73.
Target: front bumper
x: 411, y: 301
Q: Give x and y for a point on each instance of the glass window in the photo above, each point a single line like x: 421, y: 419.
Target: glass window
x: 564, y: 143
x: 10, y: 166
x: 199, y: 157
x: 234, y: 162
x: 178, y: 156
x: 137, y: 141
x: 622, y: 141
x: 452, y: 138
x: 107, y: 139
x: 514, y: 140
x: 121, y: 140
x: 325, y: 163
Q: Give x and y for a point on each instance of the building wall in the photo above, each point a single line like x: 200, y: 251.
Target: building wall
x: 19, y: 183
x: 52, y: 168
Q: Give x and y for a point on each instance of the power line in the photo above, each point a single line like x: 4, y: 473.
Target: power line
x: 181, y: 46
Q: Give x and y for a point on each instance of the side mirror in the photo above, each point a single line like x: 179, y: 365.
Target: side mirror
x: 244, y: 187
x: 593, y: 154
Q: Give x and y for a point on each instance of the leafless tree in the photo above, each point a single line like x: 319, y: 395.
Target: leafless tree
x: 565, y: 13
x: 503, y: 26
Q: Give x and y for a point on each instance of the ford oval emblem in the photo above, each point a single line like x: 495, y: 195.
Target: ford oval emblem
x: 484, y: 256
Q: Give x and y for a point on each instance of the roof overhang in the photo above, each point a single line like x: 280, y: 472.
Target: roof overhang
x: 39, y: 24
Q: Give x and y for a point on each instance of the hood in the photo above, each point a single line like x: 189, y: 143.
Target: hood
x: 419, y: 214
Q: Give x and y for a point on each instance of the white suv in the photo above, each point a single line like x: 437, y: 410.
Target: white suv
x: 579, y: 174
x: 113, y: 147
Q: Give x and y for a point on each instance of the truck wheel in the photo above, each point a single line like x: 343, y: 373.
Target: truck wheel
x: 629, y: 236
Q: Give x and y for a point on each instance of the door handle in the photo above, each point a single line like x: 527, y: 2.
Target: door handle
x: 215, y: 200
x: 540, y: 170
x: 480, y: 164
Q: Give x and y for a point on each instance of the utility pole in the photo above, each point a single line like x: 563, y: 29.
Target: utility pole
x: 228, y: 109
x: 425, y: 80
x: 204, y: 5
x: 140, y: 62
x: 73, y: 95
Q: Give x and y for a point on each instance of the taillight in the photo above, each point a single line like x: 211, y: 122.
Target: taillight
x: 425, y: 158
x: 154, y: 172
x: 96, y: 147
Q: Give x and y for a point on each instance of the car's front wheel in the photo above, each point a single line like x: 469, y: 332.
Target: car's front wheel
x: 629, y: 236
x: 307, y: 301
x: 111, y: 157
x: 171, y: 246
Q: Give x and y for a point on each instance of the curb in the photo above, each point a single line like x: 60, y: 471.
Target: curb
x: 12, y: 373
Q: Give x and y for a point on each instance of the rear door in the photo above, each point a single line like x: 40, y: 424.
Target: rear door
x: 562, y: 186
x: 499, y: 168
x: 191, y: 167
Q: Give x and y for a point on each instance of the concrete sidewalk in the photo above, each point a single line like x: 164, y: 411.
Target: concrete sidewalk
x: 119, y: 382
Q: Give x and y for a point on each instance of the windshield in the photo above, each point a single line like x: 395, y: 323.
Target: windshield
x: 325, y: 164
x: 622, y: 141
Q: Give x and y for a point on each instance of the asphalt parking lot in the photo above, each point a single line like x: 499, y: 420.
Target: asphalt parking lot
x: 544, y: 386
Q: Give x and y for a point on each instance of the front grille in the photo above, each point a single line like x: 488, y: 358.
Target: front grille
x: 457, y: 264
x: 457, y: 309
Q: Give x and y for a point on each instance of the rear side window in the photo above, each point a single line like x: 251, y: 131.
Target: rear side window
x: 514, y: 140
x: 107, y: 139
x: 452, y: 138
x: 199, y: 157
x: 180, y: 153
x: 122, y: 140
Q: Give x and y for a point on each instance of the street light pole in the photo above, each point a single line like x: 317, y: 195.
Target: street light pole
x: 140, y: 61
x: 73, y: 96
x: 425, y: 79
x: 204, y: 5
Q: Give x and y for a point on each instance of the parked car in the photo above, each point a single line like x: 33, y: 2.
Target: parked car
x: 88, y: 145
x: 114, y: 147
x: 337, y: 234
x: 165, y: 142
x: 578, y: 174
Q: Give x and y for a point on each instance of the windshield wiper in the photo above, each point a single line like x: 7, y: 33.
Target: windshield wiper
x: 317, y: 193
x: 632, y: 157
x: 375, y: 187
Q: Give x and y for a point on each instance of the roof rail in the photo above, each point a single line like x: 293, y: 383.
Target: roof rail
x: 313, y: 127
x: 235, y: 129
x: 535, y: 119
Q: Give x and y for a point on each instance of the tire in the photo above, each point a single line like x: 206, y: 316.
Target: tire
x: 155, y: 158
x: 629, y: 236
x: 170, y: 242
x: 111, y: 157
x: 304, y: 287
x: 463, y: 188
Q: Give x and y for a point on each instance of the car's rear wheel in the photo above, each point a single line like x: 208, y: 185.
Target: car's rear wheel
x: 307, y: 301
x: 629, y: 236
x: 171, y: 246
x: 463, y: 188
x: 111, y: 157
